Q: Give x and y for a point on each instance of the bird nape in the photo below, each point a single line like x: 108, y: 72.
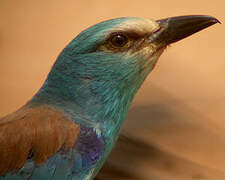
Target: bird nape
x: 67, y: 130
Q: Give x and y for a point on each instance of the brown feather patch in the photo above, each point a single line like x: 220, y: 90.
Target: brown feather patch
x: 41, y: 130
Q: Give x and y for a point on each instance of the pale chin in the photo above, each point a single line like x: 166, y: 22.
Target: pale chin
x: 153, y: 59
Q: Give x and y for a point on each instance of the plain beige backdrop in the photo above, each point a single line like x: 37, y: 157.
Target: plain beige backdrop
x: 181, y: 105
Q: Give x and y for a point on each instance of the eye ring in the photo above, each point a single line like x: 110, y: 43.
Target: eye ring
x: 119, y: 40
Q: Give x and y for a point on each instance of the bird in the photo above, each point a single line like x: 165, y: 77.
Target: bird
x: 69, y: 127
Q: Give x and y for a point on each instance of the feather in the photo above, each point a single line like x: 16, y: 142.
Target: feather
x: 40, y: 131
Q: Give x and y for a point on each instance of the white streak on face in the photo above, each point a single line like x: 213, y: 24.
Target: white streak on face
x: 140, y: 25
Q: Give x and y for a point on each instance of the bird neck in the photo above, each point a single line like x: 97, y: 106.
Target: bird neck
x: 88, y: 100
x: 104, y: 109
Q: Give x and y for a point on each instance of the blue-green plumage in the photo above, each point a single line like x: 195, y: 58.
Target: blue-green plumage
x: 92, y: 83
x: 94, y: 87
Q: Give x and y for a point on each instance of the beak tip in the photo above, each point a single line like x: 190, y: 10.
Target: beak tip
x: 212, y: 19
x: 216, y: 21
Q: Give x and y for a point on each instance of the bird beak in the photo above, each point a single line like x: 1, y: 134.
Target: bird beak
x: 174, y: 29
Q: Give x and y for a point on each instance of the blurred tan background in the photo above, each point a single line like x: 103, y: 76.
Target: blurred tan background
x: 179, y: 111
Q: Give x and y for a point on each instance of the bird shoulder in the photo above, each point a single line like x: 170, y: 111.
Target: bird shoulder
x: 40, y: 131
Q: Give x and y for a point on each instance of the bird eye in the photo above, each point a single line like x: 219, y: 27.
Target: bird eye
x: 119, y: 40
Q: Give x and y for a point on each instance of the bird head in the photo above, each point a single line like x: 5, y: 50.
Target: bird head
x: 100, y: 71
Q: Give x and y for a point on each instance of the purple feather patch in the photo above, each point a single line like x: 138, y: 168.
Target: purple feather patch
x: 90, y: 146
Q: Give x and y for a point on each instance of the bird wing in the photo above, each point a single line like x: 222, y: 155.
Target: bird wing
x: 39, y: 132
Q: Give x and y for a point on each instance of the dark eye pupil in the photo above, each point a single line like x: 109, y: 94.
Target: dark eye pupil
x: 119, y: 40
